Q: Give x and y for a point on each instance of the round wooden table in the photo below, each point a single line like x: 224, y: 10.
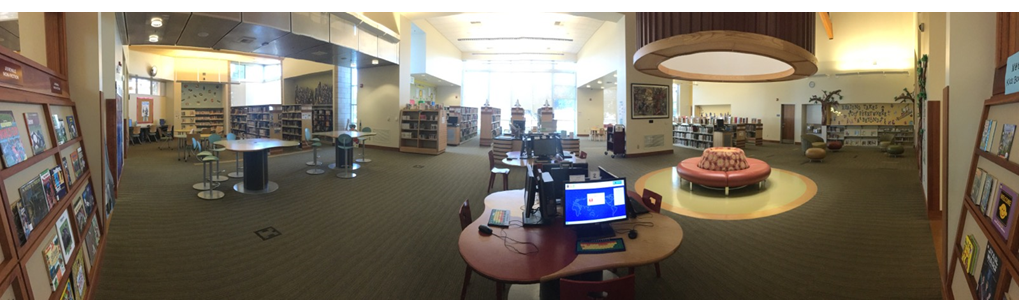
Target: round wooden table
x: 256, y: 163
x: 556, y: 257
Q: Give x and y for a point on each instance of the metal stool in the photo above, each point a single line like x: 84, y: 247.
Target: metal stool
x: 363, y: 140
x: 237, y: 160
x: 344, y: 142
x: 315, y: 160
x: 207, y: 183
x: 213, y: 138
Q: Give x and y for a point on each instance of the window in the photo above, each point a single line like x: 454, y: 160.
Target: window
x: 532, y: 83
x: 249, y: 72
x: 354, y: 96
x: 142, y: 86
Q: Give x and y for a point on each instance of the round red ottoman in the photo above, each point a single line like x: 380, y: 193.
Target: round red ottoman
x: 835, y: 145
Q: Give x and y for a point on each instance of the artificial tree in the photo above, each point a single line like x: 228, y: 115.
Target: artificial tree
x: 919, y: 97
x: 827, y: 100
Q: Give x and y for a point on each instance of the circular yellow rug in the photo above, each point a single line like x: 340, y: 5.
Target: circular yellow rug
x: 782, y: 192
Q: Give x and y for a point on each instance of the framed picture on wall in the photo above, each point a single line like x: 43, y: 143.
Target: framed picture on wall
x: 649, y: 101
x: 144, y: 110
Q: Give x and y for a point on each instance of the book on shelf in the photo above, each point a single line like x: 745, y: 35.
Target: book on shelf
x: 986, y: 136
x: 971, y: 266
x: 967, y: 254
x: 78, y: 275
x: 59, y: 181
x: 977, y: 185
x: 989, y: 273
x: 22, y: 222
x: 54, y: 258
x: 35, y: 135
x: 68, y: 294
x: 1006, y: 142
x: 1004, y: 212
x: 67, y: 171
x: 34, y: 199
x: 10, y: 140
x: 986, y: 191
x: 81, y: 160
x: 989, y: 203
x: 48, y: 188
x: 71, y: 129
x: 59, y: 130
x: 88, y: 198
x: 75, y: 164
x: 66, y: 236
x: 79, y: 213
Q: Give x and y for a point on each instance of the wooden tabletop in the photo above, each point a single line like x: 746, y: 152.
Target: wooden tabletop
x: 353, y: 134
x: 556, y: 256
x: 249, y: 145
x: 512, y: 159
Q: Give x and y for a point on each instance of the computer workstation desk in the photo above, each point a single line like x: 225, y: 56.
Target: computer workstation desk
x: 556, y: 256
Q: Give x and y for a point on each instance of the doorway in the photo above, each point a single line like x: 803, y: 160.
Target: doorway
x: 786, y: 126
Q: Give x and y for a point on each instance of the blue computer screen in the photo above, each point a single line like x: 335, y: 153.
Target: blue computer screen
x: 595, y: 201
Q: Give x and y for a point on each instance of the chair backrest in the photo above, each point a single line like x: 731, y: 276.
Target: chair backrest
x: 492, y: 158
x: 465, y: 215
x: 366, y: 129
x: 196, y: 145
x: 308, y: 134
x: 136, y: 130
x: 231, y: 136
x: 344, y: 141
x: 613, y: 289
x: 192, y: 130
x: 214, y: 138
x: 582, y: 155
x: 205, y: 130
x: 652, y: 200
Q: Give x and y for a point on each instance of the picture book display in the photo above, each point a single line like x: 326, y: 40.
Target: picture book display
x: 67, y: 171
x: 54, y: 258
x: 81, y: 160
x: 75, y: 164
x: 10, y: 140
x: 989, y: 274
x: 21, y: 223
x: 35, y: 133
x: 1006, y: 142
x: 1004, y: 212
x: 986, y: 192
x: 71, y: 129
x: 66, y: 237
x: 89, y: 198
x: 59, y: 130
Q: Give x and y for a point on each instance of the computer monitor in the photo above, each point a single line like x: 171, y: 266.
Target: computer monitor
x: 603, y: 174
x: 588, y: 207
x: 537, y: 188
x: 562, y: 175
x: 546, y: 148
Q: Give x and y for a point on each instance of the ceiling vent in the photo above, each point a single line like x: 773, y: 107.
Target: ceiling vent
x: 246, y: 40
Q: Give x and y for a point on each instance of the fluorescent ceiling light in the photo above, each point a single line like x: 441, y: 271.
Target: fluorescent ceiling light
x: 375, y: 61
x: 156, y: 22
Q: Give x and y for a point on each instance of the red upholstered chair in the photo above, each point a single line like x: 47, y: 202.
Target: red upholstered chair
x: 582, y: 155
x: 465, y: 219
x: 493, y: 170
x: 613, y: 289
x: 653, y: 201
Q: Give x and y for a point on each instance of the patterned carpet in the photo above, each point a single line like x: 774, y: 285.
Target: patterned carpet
x: 391, y: 233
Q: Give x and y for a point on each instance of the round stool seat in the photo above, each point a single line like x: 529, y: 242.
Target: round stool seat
x: 204, y: 153
x: 883, y: 146
x: 894, y: 150
x: 815, y: 154
x: 210, y: 158
x: 820, y: 145
x: 835, y: 145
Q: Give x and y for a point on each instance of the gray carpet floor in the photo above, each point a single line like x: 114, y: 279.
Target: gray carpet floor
x: 391, y: 233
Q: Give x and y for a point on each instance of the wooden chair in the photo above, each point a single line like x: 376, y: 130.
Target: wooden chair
x: 652, y: 201
x: 614, y: 289
x: 136, y: 135
x: 465, y: 219
x: 582, y: 155
x: 164, y: 137
x: 493, y: 170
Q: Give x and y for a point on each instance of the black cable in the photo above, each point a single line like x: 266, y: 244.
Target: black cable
x: 510, y: 243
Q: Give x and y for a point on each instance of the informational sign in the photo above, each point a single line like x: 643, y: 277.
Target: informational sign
x: 1011, y: 74
x: 55, y: 86
x: 10, y: 72
x: 872, y: 114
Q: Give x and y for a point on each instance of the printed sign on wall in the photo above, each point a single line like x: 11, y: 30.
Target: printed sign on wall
x: 1011, y: 73
x: 873, y: 114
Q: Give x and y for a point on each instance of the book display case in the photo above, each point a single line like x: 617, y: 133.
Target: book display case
x: 207, y: 118
x: 461, y: 124
x: 489, y: 126
x: 55, y: 235
x: 239, y: 120
x: 984, y: 260
x: 295, y: 119
x: 264, y: 121
x: 517, y: 119
x: 322, y: 120
x: 868, y: 135
x: 188, y: 119
x: 423, y: 131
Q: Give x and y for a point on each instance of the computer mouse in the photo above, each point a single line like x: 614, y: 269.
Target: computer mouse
x: 632, y: 234
x: 484, y: 230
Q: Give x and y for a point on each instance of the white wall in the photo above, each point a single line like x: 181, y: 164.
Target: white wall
x: 292, y: 67
x: 32, y: 27
x: 970, y: 40
x: 140, y: 62
x: 379, y: 104
x: 639, y: 130
x: 686, y: 97
x: 602, y: 54
x: 589, y: 109
x: 448, y: 95
x: 442, y: 58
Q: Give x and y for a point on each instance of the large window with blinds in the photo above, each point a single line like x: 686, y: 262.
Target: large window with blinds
x: 531, y: 83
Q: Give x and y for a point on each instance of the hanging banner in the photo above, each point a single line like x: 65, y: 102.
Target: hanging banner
x: 872, y: 114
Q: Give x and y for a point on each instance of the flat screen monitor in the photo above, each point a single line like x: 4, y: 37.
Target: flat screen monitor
x: 590, y: 206
x: 536, y: 191
x: 546, y: 147
x: 603, y: 174
x: 562, y: 175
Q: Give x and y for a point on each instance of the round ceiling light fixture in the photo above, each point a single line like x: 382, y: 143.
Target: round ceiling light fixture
x: 375, y: 61
x: 153, y: 38
x: 727, y: 51
x: 156, y: 22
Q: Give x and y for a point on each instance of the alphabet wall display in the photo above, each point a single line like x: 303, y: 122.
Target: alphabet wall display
x: 872, y: 114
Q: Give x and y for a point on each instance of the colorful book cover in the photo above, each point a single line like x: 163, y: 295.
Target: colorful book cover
x: 58, y: 130
x: 81, y: 160
x: 65, y: 234
x: 89, y: 198
x: 991, y: 132
x: 73, y: 130
x: 989, y: 274
x: 985, y: 192
x: 74, y: 163
x: 35, y: 135
x: 20, y: 226
x: 78, y: 277
x: 975, y: 188
x: 972, y: 268
x: 79, y: 214
x: 10, y: 140
x: 1006, y: 142
x: 90, y: 240
x: 1004, y: 215
x: 967, y: 256
x: 67, y: 171
x: 49, y: 188
x: 54, y: 262
x: 59, y: 181
x: 34, y: 200
x: 68, y: 293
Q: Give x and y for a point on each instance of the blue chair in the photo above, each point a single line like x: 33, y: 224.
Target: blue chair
x: 346, y: 144
x: 363, y: 144
x: 213, y: 138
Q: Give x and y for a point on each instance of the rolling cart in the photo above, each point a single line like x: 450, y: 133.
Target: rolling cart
x: 616, y: 142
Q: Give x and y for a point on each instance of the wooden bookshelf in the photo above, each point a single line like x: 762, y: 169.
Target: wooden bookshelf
x: 517, y: 119
x: 239, y: 120
x: 546, y: 119
x: 211, y: 118
x: 461, y: 124
x: 692, y: 135
x: 423, y: 131
x: 23, y: 267
x: 264, y: 121
x: 295, y: 118
x: 489, y: 126
x: 322, y: 120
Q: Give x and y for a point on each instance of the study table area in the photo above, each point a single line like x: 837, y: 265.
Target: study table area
x: 341, y: 159
x: 256, y: 163
x: 516, y: 254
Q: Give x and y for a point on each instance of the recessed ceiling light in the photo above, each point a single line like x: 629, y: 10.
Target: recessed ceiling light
x: 203, y: 34
x: 156, y: 22
x: 588, y: 86
x: 153, y: 38
x: 600, y: 82
x: 614, y: 75
x: 476, y: 22
x: 375, y: 61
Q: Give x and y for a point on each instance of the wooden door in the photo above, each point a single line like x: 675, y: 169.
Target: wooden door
x: 786, y: 126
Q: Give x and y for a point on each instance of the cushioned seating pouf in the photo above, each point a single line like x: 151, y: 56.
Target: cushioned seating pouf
x: 883, y: 146
x: 815, y: 154
x: 689, y: 170
x: 894, y: 150
x: 819, y: 145
x: 756, y: 172
x: 835, y: 145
